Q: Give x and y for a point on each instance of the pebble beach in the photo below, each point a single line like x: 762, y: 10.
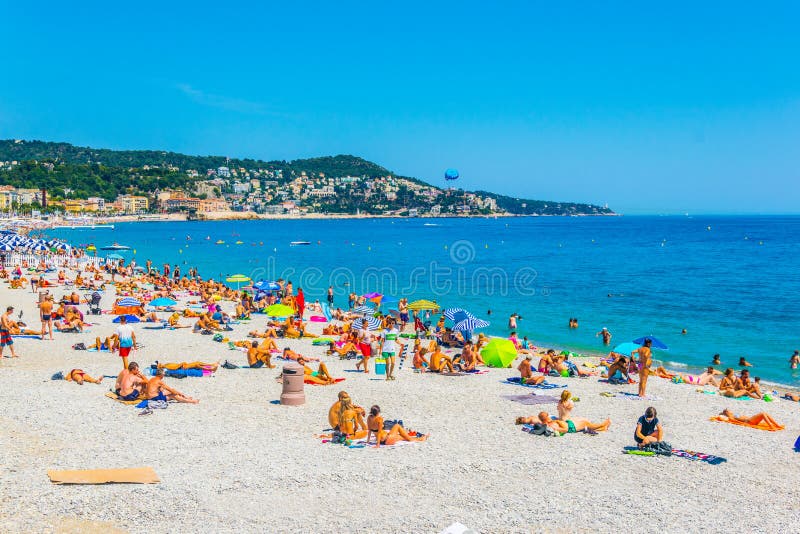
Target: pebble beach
x: 240, y: 462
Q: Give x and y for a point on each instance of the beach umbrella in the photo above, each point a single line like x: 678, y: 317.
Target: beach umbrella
x: 91, y: 248
x: 469, y: 324
x: 5, y: 247
x: 39, y: 248
x: 372, y: 323
x: 129, y: 301
x: 364, y: 310
x: 457, y: 314
x: 262, y: 285
x: 128, y: 317
x: 499, y: 353
x: 114, y: 257
x: 279, y: 310
x: 423, y: 304
x: 237, y: 279
x: 657, y: 343
x: 162, y: 301
x: 626, y: 348
x: 372, y: 295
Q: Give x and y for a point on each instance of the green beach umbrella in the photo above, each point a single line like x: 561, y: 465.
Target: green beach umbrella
x: 279, y: 310
x: 423, y: 304
x: 499, y: 353
x: 237, y: 279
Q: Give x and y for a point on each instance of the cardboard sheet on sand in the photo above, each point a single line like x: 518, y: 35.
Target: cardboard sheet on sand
x: 134, y: 475
x: 114, y: 396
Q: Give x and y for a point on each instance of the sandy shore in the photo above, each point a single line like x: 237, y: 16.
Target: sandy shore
x: 239, y: 463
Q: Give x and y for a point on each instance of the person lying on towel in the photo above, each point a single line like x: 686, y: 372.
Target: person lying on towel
x: 383, y: 436
x: 320, y: 376
x: 570, y: 426
x: 526, y: 372
x: 79, y: 377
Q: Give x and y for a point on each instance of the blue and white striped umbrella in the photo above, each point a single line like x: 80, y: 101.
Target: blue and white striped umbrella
x: 129, y: 301
x: 5, y: 247
x: 39, y: 248
x: 469, y: 324
x: 62, y: 246
x: 372, y: 323
x: 364, y: 310
x: 457, y: 314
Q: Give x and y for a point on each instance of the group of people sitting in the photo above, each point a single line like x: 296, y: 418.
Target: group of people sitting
x: 565, y: 423
x: 348, y: 419
x: 133, y: 385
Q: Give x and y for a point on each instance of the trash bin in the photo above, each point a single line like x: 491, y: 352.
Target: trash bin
x: 293, y: 394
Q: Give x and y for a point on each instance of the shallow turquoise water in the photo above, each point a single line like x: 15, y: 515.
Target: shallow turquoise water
x: 733, y: 286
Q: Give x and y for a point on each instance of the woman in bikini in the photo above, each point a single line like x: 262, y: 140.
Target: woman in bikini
x: 79, y: 377
x: 383, y: 437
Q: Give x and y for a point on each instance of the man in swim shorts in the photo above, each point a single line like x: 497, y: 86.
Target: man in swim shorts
x: 130, y: 382
x: 46, y: 315
x: 5, y: 332
x: 127, y: 340
x: 570, y: 426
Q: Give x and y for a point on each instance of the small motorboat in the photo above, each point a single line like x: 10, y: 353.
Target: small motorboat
x: 115, y: 246
x: 220, y: 242
x: 299, y: 243
x: 240, y: 242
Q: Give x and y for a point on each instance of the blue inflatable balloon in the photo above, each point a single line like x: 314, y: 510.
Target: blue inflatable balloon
x: 451, y: 174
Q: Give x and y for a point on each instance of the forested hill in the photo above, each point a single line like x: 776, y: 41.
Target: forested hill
x: 342, y: 165
x: 81, y: 172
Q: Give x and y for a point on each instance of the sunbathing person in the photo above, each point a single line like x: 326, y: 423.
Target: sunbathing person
x: 439, y: 362
x: 344, y: 349
x: 110, y: 344
x: 349, y: 419
x: 21, y: 329
x: 188, y: 365
x: 546, y: 363
x: 622, y: 365
x: 289, y: 354
x: 419, y: 361
x: 79, y: 377
x: 259, y: 356
x: 269, y: 332
x: 707, y: 377
x: 382, y: 436
x: 320, y: 376
x: 752, y: 389
x: 648, y: 429
x: 333, y: 413
x: 130, y: 382
x: 754, y: 420
x: 465, y: 361
x: 731, y: 386
x: 569, y: 426
x: 661, y: 372
x: 526, y: 372
x: 158, y: 390
x: 565, y: 405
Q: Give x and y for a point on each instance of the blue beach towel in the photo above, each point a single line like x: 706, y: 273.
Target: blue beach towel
x: 544, y: 385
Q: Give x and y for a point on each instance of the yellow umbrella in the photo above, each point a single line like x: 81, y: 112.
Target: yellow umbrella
x: 423, y: 305
x: 238, y: 279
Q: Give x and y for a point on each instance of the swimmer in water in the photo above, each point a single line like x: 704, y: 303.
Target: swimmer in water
x: 716, y: 361
x: 744, y: 363
x: 794, y: 361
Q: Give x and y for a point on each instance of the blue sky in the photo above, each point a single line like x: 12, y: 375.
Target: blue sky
x: 650, y: 108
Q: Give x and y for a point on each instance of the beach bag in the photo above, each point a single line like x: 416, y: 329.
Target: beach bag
x: 79, y: 346
x: 58, y: 376
x: 228, y: 365
x: 217, y: 338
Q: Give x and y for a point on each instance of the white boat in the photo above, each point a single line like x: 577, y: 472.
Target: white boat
x: 115, y: 246
x: 298, y: 243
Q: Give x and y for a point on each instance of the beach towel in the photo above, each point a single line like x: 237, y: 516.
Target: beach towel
x: 544, y: 385
x: 326, y: 311
x: 698, y: 456
x: 760, y: 426
x: 626, y: 395
x: 26, y: 336
x: 335, y: 381
x: 95, y: 350
x: 137, y: 475
x: 531, y: 399
x: 114, y: 396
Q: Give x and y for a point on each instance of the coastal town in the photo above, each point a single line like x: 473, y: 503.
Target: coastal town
x: 164, y: 185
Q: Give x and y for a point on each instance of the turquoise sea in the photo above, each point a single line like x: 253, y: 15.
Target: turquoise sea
x: 731, y: 282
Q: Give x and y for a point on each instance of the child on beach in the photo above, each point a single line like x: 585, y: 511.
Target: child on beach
x: 648, y: 429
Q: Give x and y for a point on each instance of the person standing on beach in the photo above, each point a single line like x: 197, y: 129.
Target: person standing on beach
x: 127, y: 340
x: 5, y: 332
x: 46, y: 315
x: 645, y: 361
x: 389, y: 348
x: 300, y: 301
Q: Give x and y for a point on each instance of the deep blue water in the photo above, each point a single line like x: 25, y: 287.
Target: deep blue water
x: 732, y: 282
